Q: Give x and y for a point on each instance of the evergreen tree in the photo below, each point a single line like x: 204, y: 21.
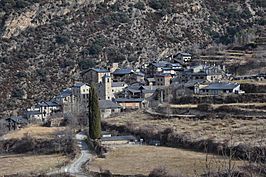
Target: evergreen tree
x: 94, y: 115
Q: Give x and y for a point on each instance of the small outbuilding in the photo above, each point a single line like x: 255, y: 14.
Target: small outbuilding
x: 107, y: 108
x: 15, y: 122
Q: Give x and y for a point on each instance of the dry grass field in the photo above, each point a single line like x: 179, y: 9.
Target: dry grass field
x: 25, y: 164
x: 35, y: 131
x: 131, y: 160
x: 236, y: 131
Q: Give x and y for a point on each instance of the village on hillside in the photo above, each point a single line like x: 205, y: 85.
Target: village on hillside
x: 122, y: 89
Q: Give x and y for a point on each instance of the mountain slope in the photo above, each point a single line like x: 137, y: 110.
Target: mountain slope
x: 44, y: 44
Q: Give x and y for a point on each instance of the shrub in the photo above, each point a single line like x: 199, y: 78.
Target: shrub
x: 17, y: 93
x: 86, y: 64
x: 159, y: 4
x: 140, y: 5
x: 21, y: 74
x: 95, y: 49
x: 97, y: 45
x: 22, y: 4
x: 204, y: 107
x: 60, y: 39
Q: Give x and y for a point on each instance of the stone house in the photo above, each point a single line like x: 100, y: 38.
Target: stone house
x: 80, y: 92
x: 131, y: 103
x: 105, y: 88
x: 65, y: 100
x: 15, y: 122
x: 94, y: 75
x: 124, y: 74
x: 80, y: 98
x: 182, y: 57
x: 118, y: 87
x: 163, y: 79
x: 107, y: 108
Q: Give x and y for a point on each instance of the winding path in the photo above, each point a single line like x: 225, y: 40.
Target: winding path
x: 75, y: 168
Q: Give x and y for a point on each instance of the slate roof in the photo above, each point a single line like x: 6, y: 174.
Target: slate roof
x: 65, y: 93
x: 129, y: 100
x: 48, y: 103
x: 123, y: 71
x: 221, y: 86
x: 18, y: 119
x: 119, y: 138
x: 160, y: 64
x: 182, y: 54
x: 139, y: 74
x: 118, y: 84
x: 78, y: 84
x: 100, y: 70
x: 33, y: 112
x: 108, y: 104
x: 163, y: 75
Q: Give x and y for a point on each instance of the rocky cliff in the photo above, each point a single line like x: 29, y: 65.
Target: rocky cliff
x: 44, y: 44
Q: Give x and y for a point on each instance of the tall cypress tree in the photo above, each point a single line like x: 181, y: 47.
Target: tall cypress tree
x: 94, y: 115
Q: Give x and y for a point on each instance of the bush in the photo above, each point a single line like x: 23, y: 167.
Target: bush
x: 140, y: 5
x: 159, y: 4
x: 61, y: 39
x: 204, y: 107
x: 119, y: 17
x: 21, y: 74
x: 17, y: 93
x: 97, y: 45
x: 95, y: 49
x: 86, y: 64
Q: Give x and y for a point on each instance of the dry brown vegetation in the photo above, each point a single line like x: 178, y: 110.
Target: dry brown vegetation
x: 25, y: 164
x: 34, y: 150
x: 35, y: 131
x: 132, y: 160
x: 220, y: 131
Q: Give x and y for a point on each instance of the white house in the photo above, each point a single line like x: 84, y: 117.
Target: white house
x: 219, y: 88
x: 118, y: 87
x: 34, y: 114
x: 47, y: 108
